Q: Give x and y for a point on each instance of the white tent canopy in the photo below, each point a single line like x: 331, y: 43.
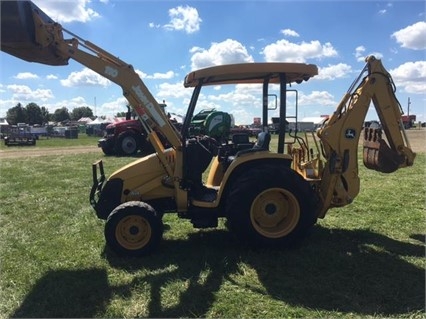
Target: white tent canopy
x: 85, y: 120
x: 99, y: 121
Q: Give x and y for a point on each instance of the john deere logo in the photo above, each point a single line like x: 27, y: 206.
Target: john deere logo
x: 350, y: 133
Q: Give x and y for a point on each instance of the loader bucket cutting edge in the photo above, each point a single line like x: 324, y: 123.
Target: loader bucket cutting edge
x: 18, y: 33
x: 377, y: 155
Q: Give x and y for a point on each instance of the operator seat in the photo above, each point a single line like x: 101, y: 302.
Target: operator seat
x: 241, y: 141
x: 262, y: 144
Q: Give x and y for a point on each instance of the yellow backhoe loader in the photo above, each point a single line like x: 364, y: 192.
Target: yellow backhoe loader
x: 268, y: 197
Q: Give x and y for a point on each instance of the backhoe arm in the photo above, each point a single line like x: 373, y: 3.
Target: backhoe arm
x: 340, y: 137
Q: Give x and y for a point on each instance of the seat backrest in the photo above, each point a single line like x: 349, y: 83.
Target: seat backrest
x: 262, y: 143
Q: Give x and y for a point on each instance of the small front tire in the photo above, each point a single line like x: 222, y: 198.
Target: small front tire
x: 133, y: 229
x: 108, y: 151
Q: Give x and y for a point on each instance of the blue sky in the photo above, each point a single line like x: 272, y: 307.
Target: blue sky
x: 164, y: 40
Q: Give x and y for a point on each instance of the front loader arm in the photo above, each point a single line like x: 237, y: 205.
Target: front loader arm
x: 340, y: 135
x: 112, y: 68
x: 28, y: 33
x: 134, y: 90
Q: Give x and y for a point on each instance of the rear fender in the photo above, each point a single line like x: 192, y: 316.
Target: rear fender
x: 243, y: 165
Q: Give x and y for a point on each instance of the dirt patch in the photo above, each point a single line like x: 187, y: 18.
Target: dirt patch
x: 417, y: 139
x: 28, y: 151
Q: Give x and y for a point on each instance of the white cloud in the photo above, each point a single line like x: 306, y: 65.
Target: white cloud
x: 118, y: 105
x: 376, y: 54
x: 360, y: 54
x: 411, y: 76
x: 26, y: 76
x: 226, y: 52
x: 51, y: 77
x: 385, y: 10
x: 161, y: 76
x: 242, y: 101
x: 157, y: 75
x: 290, y: 33
x: 67, y: 11
x: 243, y: 95
x: 183, y: 18
x: 332, y: 72
x: 173, y: 90
x: 85, y: 77
x: 153, y: 25
x: 412, y: 37
x: 25, y: 93
x: 141, y: 74
x: 323, y: 98
x: 286, y: 51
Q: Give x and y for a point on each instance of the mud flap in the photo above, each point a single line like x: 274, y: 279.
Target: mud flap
x: 377, y: 154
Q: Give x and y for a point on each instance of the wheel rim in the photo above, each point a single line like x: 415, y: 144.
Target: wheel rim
x: 275, y: 213
x: 128, y: 145
x: 133, y: 232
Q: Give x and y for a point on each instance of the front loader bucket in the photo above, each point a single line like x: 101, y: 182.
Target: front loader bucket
x: 19, y: 32
x: 377, y: 154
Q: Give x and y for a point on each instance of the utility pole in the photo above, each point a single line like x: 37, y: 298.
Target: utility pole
x: 408, y: 108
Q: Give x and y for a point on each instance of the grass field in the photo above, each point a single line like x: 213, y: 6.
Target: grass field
x: 364, y: 260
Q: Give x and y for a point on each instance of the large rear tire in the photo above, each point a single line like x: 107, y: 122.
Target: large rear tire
x: 133, y: 229
x: 127, y: 144
x: 271, y: 206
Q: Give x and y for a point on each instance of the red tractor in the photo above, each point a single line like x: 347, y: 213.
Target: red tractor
x: 126, y: 138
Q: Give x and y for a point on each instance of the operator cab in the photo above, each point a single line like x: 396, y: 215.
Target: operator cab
x: 199, y: 150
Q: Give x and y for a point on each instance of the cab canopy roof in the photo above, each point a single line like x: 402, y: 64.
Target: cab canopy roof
x: 251, y: 73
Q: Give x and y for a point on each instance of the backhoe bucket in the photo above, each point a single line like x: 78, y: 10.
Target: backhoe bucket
x: 377, y: 154
x: 20, y: 31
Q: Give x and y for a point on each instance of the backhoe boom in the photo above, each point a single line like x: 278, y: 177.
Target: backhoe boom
x: 340, y: 137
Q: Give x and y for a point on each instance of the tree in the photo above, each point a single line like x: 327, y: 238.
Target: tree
x: 121, y: 114
x: 79, y: 112
x: 126, y: 114
x: 34, y: 114
x: 61, y: 115
x: 16, y: 114
x: 46, y: 116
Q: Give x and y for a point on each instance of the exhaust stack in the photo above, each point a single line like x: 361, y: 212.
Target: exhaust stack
x: 25, y: 33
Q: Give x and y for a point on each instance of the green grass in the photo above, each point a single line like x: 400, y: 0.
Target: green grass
x: 362, y: 260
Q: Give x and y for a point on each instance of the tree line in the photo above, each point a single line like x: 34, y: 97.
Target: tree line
x: 33, y: 114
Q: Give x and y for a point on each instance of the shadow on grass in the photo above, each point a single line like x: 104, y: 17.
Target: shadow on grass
x: 358, y: 272
x: 67, y: 294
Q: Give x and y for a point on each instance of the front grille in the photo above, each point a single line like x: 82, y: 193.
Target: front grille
x: 110, y: 131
